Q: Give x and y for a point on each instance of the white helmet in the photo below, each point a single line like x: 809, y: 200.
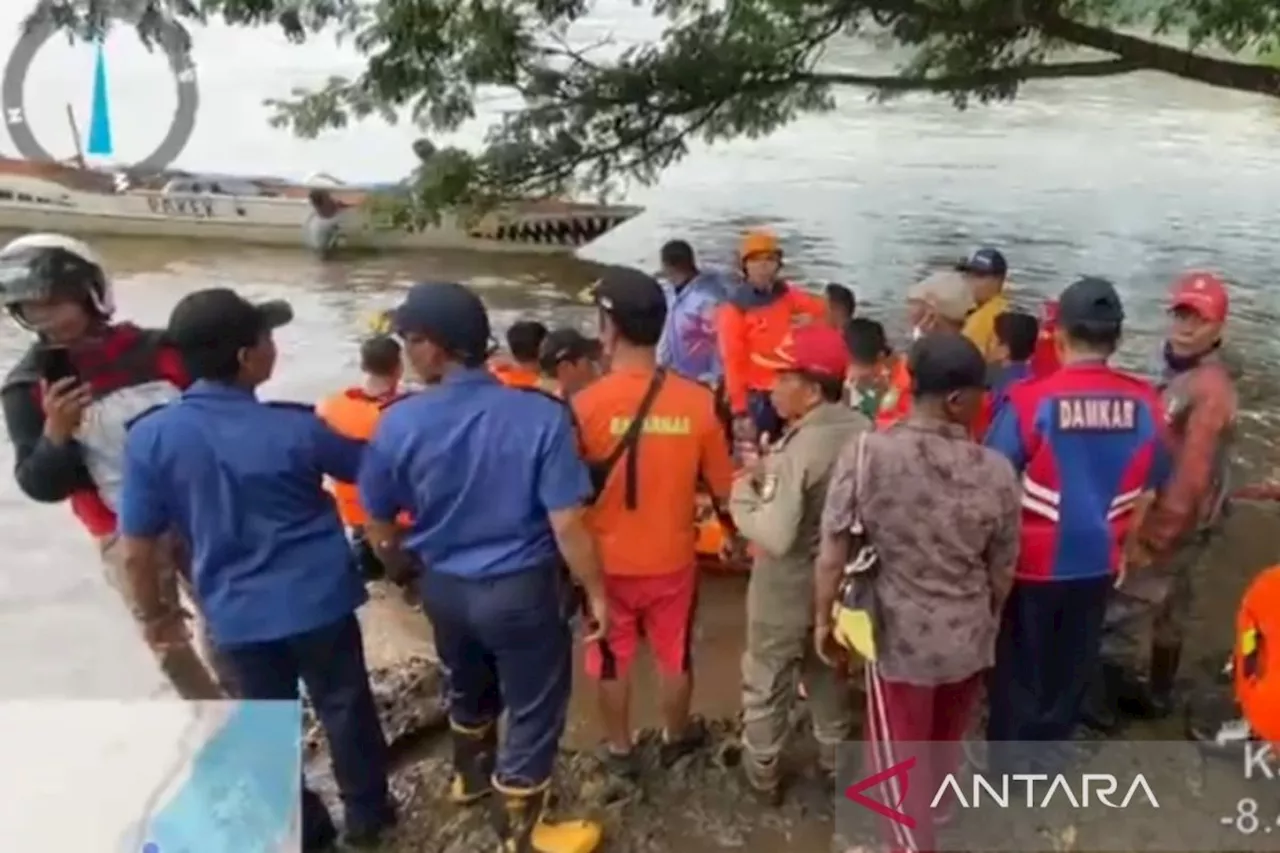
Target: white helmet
x: 37, y: 265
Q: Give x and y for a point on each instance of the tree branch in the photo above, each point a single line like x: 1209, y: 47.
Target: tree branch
x: 1223, y: 73
x: 985, y: 77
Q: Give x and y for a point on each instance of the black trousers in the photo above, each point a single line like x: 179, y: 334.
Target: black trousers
x: 330, y: 662
x: 1046, y: 653
x: 506, y: 646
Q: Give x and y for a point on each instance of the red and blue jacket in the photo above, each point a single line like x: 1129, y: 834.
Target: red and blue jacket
x: 1088, y: 441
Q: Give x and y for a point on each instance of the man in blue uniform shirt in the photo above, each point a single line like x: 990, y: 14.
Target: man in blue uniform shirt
x: 1088, y: 442
x: 242, y: 480
x: 492, y: 478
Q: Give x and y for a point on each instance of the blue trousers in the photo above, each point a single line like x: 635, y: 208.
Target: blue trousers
x: 330, y: 662
x: 508, y: 647
x: 1046, y: 654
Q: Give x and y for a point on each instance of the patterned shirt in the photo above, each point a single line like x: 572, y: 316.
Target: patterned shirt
x: 943, y: 514
x: 688, y: 343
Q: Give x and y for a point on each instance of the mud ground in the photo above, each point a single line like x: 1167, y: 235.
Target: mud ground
x: 701, y: 805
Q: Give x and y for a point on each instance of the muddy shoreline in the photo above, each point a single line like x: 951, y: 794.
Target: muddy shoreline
x: 701, y: 805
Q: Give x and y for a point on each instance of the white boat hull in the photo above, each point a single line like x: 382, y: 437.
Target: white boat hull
x: 35, y: 204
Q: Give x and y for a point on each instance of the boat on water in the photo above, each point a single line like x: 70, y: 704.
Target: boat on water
x: 318, y: 213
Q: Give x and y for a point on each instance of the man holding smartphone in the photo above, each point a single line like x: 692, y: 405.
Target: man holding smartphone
x: 67, y: 404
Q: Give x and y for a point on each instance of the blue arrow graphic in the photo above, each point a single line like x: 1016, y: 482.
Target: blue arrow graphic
x: 100, y: 118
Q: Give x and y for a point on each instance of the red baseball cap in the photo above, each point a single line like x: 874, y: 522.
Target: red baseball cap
x: 1202, y: 292
x: 817, y: 349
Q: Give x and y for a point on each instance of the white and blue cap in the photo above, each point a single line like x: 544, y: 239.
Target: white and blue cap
x: 985, y: 261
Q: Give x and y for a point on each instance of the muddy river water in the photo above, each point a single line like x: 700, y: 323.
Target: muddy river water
x: 1135, y: 179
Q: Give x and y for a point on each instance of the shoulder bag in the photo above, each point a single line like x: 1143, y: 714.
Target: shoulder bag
x: 630, y: 441
x: 856, y: 616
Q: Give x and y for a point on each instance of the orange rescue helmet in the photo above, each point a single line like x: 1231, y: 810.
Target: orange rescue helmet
x: 1256, y: 657
x: 759, y: 243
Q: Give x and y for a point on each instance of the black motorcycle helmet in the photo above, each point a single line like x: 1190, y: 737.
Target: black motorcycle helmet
x: 39, y: 266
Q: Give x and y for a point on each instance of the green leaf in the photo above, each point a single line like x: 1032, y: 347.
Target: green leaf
x: 594, y: 118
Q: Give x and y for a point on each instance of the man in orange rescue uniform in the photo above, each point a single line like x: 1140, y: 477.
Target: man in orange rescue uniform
x: 353, y: 413
x: 644, y: 512
x: 521, y: 368
x: 750, y: 326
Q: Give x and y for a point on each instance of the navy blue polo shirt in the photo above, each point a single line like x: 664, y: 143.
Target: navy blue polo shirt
x: 479, y: 466
x: 243, y: 481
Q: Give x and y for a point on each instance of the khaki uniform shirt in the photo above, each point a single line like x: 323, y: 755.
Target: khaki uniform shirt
x: 780, y: 511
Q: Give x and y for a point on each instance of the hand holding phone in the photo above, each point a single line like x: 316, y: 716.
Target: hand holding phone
x: 54, y: 364
x: 64, y: 396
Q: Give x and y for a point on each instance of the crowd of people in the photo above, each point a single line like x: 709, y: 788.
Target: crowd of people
x: 1024, y: 516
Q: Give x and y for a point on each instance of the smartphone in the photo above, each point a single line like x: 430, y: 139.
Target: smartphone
x: 54, y: 364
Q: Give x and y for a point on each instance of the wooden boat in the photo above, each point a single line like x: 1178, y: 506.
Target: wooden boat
x: 46, y: 196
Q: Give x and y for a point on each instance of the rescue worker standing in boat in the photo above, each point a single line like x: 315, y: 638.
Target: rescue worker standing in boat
x: 777, y: 504
x: 68, y: 431
x: 354, y: 412
x: 758, y: 315
x: 1148, y: 612
x: 242, y: 480
x: 498, y: 494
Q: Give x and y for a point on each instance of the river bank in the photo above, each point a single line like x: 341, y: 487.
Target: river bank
x: 701, y: 805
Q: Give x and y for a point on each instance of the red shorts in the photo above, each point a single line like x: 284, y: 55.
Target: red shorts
x: 657, y: 607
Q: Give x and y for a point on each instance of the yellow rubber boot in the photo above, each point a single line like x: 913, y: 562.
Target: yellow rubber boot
x: 474, y: 752
x: 523, y: 828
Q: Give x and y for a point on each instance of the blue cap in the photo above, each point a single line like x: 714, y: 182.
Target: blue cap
x: 985, y: 261
x: 447, y: 314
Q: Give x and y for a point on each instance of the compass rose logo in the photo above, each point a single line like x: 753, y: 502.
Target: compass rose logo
x: 181, y: 125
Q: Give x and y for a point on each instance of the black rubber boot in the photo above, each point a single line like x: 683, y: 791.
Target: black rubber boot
x: 371, y: 837
x: 1152, y: 699
x: 319, y: 835
x: 1098, y: 711
x: 1164, y: 678
x: 474, y: 753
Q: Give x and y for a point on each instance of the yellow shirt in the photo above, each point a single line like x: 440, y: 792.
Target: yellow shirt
x: 980, y: 326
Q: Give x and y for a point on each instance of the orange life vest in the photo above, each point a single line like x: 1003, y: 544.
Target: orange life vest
x: 749, y: 337
x: 895, y: 403
x: 513, y: 375
x: 354, y: 414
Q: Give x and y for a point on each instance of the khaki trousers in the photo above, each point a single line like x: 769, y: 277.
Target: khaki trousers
x: 777, y: 659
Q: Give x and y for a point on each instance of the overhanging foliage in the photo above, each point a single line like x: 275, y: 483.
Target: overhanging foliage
x: 594, y: 116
